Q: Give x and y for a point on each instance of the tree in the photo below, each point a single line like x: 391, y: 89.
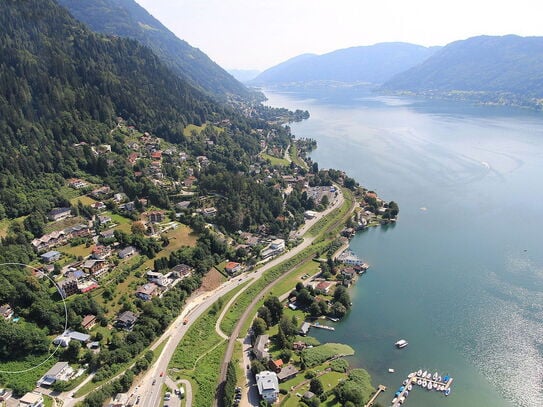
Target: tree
x: 259, y: 326
x: 342, y: 296
x: 338, y: 310
x: 314, y: 309
x: 315, y: 386
x: 289, y: 328
x: 137, y: 228
x: 265, y: 314
x: 275, y: 307
x: 72, y: 351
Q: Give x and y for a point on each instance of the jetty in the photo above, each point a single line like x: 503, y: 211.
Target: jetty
x: 320, y: 326
x: 380, y: 389
x: 428, y: 382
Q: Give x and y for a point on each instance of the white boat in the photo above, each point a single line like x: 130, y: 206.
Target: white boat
x: 410, y: 387
x: 402, y: 343
x: 439, y: 379
x: 401, y: 400
x: 424, y: 374
x: 419, y: 373
x: 419, y: 382
x: 424, y: 383
x: 405, y: 382
x: 410, y: 375
x: 394, y: 400
x: 429, y: 376
x: 406, y: 393
x: 390, y: 370
x: 435, y: 376
x: 448, y: 391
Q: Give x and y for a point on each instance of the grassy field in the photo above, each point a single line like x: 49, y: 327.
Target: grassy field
x: 27, y: 378
x: 187, y: 131
x: 63, y: 224
x: 4, y: 225
x: 281, y: 162
x: 85, y: 200
x: 179, y: 237
x: 295, y: 157
x: 337, y: 216
x: 76, y: 251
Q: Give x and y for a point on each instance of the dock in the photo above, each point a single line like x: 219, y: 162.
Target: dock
x: 401, y: 395
x: 380, y: 389
x: 328, y: 328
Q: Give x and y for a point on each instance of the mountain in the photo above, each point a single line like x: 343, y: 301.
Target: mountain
x: 244, y: 75
x: 374, y: 64
x: 62, y: 84
x: 485, y: 64
x: 126, y: 18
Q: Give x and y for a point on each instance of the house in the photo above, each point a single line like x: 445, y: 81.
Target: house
x: 147, y: 291
x: 268, y: 386
x: 50, y: 240
x: 108, y: 234
x: 88, y: 321
x: 156, y: 155
x: 99, y: 206
x: 232, y: 267
x: 324, y: 286
x: 348, y: 274
x: 304, y: 330
x: 80, y: 230
x: 5, y: 394
x: 119, y: 197
x: 183, y: 205
x: 86, y: 286
x: 126, y: 320
x: 350, y: 259
x: 100, y: 252
x: 260, y: 349
x: 64, y: 339
x: 127, y: 252
x: 101, y: 193
x: 182, y: 270
x: 104, y: 219
x: 128, y: 206
x: 275, y: 365
x: 95, y: 267
x: 276, y: 247
x: 32, y: 399
x: 68, y: 287
x: 158, y: 278
x: 308, y: 395
x: 310, y: 214
x: 60, y: 371
x: 59, y: 214
x: 209, y: 212
x: 287, y: 372
x: 6, y: 311
x: 77, y: 183
x: 155, y: 216
x: 299, y: 346
x: 50, y: 257
x: 120, y: 400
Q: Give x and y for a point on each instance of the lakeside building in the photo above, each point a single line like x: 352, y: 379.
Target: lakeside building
x: 260, y: 349
x: 61, y: 371
x: 268, y: 386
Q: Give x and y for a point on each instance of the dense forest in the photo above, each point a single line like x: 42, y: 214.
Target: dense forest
x: 126, y: 18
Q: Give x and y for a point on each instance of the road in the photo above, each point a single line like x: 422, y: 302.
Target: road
x: 149, y: 387
x: 249, y: 396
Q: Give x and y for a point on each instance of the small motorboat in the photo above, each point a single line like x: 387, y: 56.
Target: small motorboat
x: 410, y: 387
x: 391, y: 370
x: 419, y: 382
x: 424, y: 374
x: 447, y: 391
x: 405, y: 382
x: 424, y: 383
x: 435, y: 376
x: 394, y: 400
x: 419, y: 373
x: 402, y: 343
x: 410, y: 375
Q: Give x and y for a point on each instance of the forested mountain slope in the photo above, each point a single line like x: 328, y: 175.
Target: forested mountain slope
x: 62, y: 84
x: 495, y: 67
x: 128, y: 19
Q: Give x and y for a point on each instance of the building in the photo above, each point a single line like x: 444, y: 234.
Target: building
x: 310, y: 214
x: 275, y: 365
x: 95, y: 267
x: 32, y: 399
x: 127, y: 252
x: 60, y: 371
x: 59, y: 214
x: 182, y: 270
x: 88, y: 321
x: 232, y: 267
x: 260, y: 349
x: 158, y: 278
x: 50, y: 257
x: 126, y: 320
x: 120, y: 400
x: 68, y: 287
x: 268, y: 386
x: 6, y: 311
x: 64, y: 339
x: 350, y: 259
x: 147, y: 291
x: 304, y: 330
x: 100, y: 252
x: 77, y: 183
x: 209, y: 212
x: 50, y: 240
x: 276, y: 247
x: 287, y: 372
x: 324, y: 286
x: 155, y: 216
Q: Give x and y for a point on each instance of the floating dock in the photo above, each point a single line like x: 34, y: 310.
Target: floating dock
x: 443, y: 385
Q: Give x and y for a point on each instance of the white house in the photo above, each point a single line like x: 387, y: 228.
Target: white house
x: 32, y: 399
x: 268, y: 386
x: 60, y: 371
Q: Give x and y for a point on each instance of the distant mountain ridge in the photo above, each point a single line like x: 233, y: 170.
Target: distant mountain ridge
x: 506, y: 69
x: 372, y: 64
x: 126, y: 18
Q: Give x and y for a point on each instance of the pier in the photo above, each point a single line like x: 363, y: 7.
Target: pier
x: 317, y: 325
x: 380, y: 389
x: 431, y: 384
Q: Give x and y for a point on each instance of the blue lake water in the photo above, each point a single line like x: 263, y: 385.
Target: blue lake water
x: 460, y: 276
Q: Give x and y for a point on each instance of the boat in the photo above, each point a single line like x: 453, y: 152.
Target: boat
x: 429, y: 376
x: 405, y: 382
x: 406, y: 393
x: 402, y: 343
x: 390, y: 370
x: 446, y: 379
x: 410, y: 387
x: 394, y: 400
x: 401, y: 400
x: 439, y: 379
x: 424, y: 383
x: 424, y: 374
x: 447, y: 391
x: 410, y: 375
x: 419, y: 382
x: 419, y: 373
x: 435, y: 376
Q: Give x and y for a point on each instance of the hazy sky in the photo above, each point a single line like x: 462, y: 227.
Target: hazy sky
x: 257, y: 34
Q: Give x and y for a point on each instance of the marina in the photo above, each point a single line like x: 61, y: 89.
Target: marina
x: 425, y: 380
x: 320, y: 326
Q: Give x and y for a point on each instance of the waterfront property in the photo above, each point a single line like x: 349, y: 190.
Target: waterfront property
x: 268, y: 386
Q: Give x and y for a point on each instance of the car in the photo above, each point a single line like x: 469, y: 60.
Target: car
x: 154, y: 381
x: 161, y: 374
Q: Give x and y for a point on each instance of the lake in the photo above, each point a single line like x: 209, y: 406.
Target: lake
x: 460, y: 276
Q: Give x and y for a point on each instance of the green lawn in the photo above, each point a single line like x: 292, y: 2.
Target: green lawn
x: 281, y: 162
x: 63, y: 224
x: 76, y: 251
x: 85, y: 200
